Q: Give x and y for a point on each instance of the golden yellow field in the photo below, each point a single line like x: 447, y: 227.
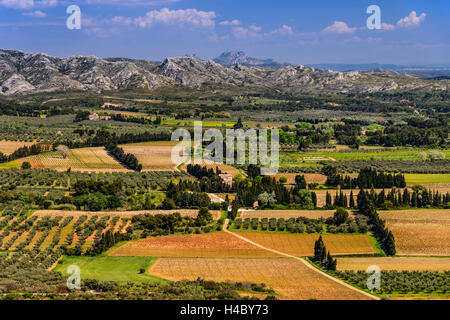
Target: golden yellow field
x: 420, y: 232
x: 85, y: 159
x: 286, y: 214
x: 303, y: 244
x: 218, y: 244
x: 8, y: 147
x: 397, y: 263
x: 154, y: 156
x: 442, y: 187
x: 290, y: 278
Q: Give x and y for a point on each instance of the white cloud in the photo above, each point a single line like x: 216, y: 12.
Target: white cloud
x: 412, y: 20
x: 46, y: 3
x: 362, y: 40
x: 234, y: 22
x: 133, y: 2
x: 245, y: 33
x: 339, y: 27
x: 35, y: 14
x: 254, y: 32
x: 18, y: 4
x: 283, y: 31
x: 180, y: 17
x: 122, y: 20
x: 255, y: 28
x: 28, y: 4
x: 387, y: 26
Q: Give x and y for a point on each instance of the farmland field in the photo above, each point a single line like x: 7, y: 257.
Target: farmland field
x: 57, y: 229
x: 218, y: 245
x: 8, y: 147
x: 286, y: 276
x: 420, y: 232
x: 117, y: 269
x: 154, y: 156
x: 84, y: 160
x: 397, y: 263
x: 401, y: 154
x: 286, y: 214
x: 303, y: 244
x: 427, y: 178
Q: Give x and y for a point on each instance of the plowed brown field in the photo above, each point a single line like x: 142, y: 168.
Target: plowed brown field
x: 303, y: 244
x: 219, y: 245
x: 291, y: 278
x: 397, y: 263
x: 420, y: 232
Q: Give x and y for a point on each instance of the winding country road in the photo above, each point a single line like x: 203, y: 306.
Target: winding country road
x: 225, y: 229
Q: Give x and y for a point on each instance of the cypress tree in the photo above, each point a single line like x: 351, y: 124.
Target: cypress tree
x: 328, y: 200
x: 352, y: 201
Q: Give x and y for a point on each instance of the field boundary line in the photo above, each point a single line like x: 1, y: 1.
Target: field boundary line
x: 299, y: 259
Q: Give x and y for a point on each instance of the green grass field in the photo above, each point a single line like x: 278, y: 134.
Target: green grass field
x: 117, y: 269
x: 311, y: 159
x: 9, y: 165
x: 405, y: 154
x: 427, y: 178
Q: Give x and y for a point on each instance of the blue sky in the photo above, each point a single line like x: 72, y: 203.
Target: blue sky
x: 301, y: 32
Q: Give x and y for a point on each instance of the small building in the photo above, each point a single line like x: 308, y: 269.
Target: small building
x: 96, y: 117
x: 215, y: 198
x: 227, y: 178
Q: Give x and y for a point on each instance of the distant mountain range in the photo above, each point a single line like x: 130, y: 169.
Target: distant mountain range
x: 425, y: 71
x: 231, y: 58
x: 26, y: 73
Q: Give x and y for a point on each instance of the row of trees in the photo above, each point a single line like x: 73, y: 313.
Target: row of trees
x: 127, y: 159
x: 199, y: 172
x: 122, y: 118
x: 170, y: 223
x: 382, y: 234
x: 97, y: 201
x: 367, y: 178
x: 410, y: 136
x: 108, y: 240
x: 419, y: 197
x: 24, y: 152
x: 322, y: 256
x: 104, y: 138
x: 90, y: 186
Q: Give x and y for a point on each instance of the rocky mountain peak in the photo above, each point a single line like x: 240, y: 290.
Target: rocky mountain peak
x: 24, y: 73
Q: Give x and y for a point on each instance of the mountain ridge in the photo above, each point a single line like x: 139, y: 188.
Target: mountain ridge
x: 24, y: 73
x: 231, y: 58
